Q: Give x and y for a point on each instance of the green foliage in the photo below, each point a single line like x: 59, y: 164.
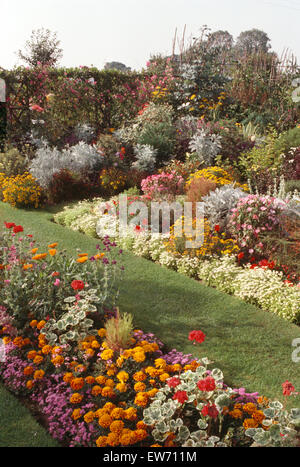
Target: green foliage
x: 119, y: 331
x: 12, y: 162
x: 161, y: 136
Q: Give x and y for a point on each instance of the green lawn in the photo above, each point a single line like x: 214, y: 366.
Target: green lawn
x: 252, y: 347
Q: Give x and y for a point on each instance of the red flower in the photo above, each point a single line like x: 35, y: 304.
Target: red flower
x: 77, y: 285
x: 287, y: 388
x: 207, y: 384
x: 217, y: 228
x: 18, y: 228
x: 9, y: 225
x: 240, y: 256
x: 180, y: 396
x: 210, y: 411
x: 173, y: 382
x: 55, y: 274
x: 197, y: 336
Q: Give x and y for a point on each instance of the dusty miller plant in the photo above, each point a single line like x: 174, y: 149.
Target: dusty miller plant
x: 219, y: 203
x: 205, y: 147
x: 145, y: 157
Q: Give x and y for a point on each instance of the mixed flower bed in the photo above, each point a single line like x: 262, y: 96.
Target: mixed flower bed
x: 96, y: 380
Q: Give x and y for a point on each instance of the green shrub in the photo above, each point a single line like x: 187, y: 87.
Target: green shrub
x: 12, y: 162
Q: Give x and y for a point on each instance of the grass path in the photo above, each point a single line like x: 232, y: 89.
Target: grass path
x: 252, y: 347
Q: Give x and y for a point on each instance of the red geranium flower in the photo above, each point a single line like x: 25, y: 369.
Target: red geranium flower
x: 173, y: 382
x: 197, y: 336
x: 217, y: 228
x: 180, y: 396
x: 77, y: 285
x: 18, y: 228
x: 210, y: 411
x: 207, y: 384
x: 287, y: 388
x: 240, y: 256
x: 9, y: 225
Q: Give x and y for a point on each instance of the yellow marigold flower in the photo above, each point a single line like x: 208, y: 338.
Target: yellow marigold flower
x: 116, y: 426
x: 130, y: 414
x: 28, y: 370
x: 107, y: 354
x: 160, y: 363
x: 76, y: 414
x: 105, y: 421
x: 101, y: 442
x: 76, y: 398
x: 117, y: 413
x: 119, y: 362
x: 102, y: 332
x: 141, y: 399
x: 121, y: 387
x: 152, y: 392
x: 141, y: 425
x: 139, y: 387
x: 90, y: 352
x: 109, y: 406
x: 89, y: 417
x: 249, y: 423
x: 163, y: 377
x: 100, y: 379
x: 95, y: 344
x: 77, y: 383
x: 52, y: 252
x: 18, y: 341
x: 123, y: 376
x: 139, y: 356
x: 38, y: 374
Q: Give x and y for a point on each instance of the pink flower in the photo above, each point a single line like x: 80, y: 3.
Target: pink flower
x: 57, y: 282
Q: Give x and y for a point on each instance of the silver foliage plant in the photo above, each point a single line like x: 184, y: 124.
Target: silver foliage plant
x: 219, y: 203
x: 81, y: 158
x: 84, y: 132
x: 145, y: 157
x: 205, y: 146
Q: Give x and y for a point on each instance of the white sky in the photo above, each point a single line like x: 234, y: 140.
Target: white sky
x: 93, y: 32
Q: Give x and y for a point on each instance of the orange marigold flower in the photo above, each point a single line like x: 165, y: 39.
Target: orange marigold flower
x: 121, y: 387
x: 52, y: 252
x: 101, y: 442
x: 105, y: 420
x: 31, y: 355
x: 249, y: 423
x: 38, y: 374
x: 139, y: 387
x: 46, y: 349
x: 107, y: 392
x: 123, y: 376
x: 117, y: 413
x: 76, y: 398
x: 41, y: 324
x: 139, y: 376
x: 141, y: 425
x: 40, y: 256
x: 258, y: 416
x: 77, y: 383
x: 163, y: 377
x: 101, y: 332
x: 28, y: 370
x: 130, y: 414
x: 141, y: 434
x: 29, y: 384
x: 76, y: 414
x: 89, y: 379
x: 249, y: 408
x: 113, y: 439
x: 53, y: 245
x: 116, y: 426
x: 18, y: 341
x: 38, y: 359
x: 83, y: 259
x: 95, y: 344
x: 96, y: 390
x: 100, y: 379
x: 236, y: 413
x: 58, y: 360
x: 152, y: 392
x: 139, y: 356
x: 34, y: 250
x: 33, y: 323
x: 141, y: 399
x: 107, y: 354
x: 68, y: 377
x: 89, y: 417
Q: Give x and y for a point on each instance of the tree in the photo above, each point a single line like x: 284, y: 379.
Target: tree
x: 252, y: 41
x: 116, y: 66
x: 222, y: 40
x: 41, y: 49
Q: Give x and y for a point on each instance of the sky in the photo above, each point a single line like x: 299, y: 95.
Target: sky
x: 93, y: 32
